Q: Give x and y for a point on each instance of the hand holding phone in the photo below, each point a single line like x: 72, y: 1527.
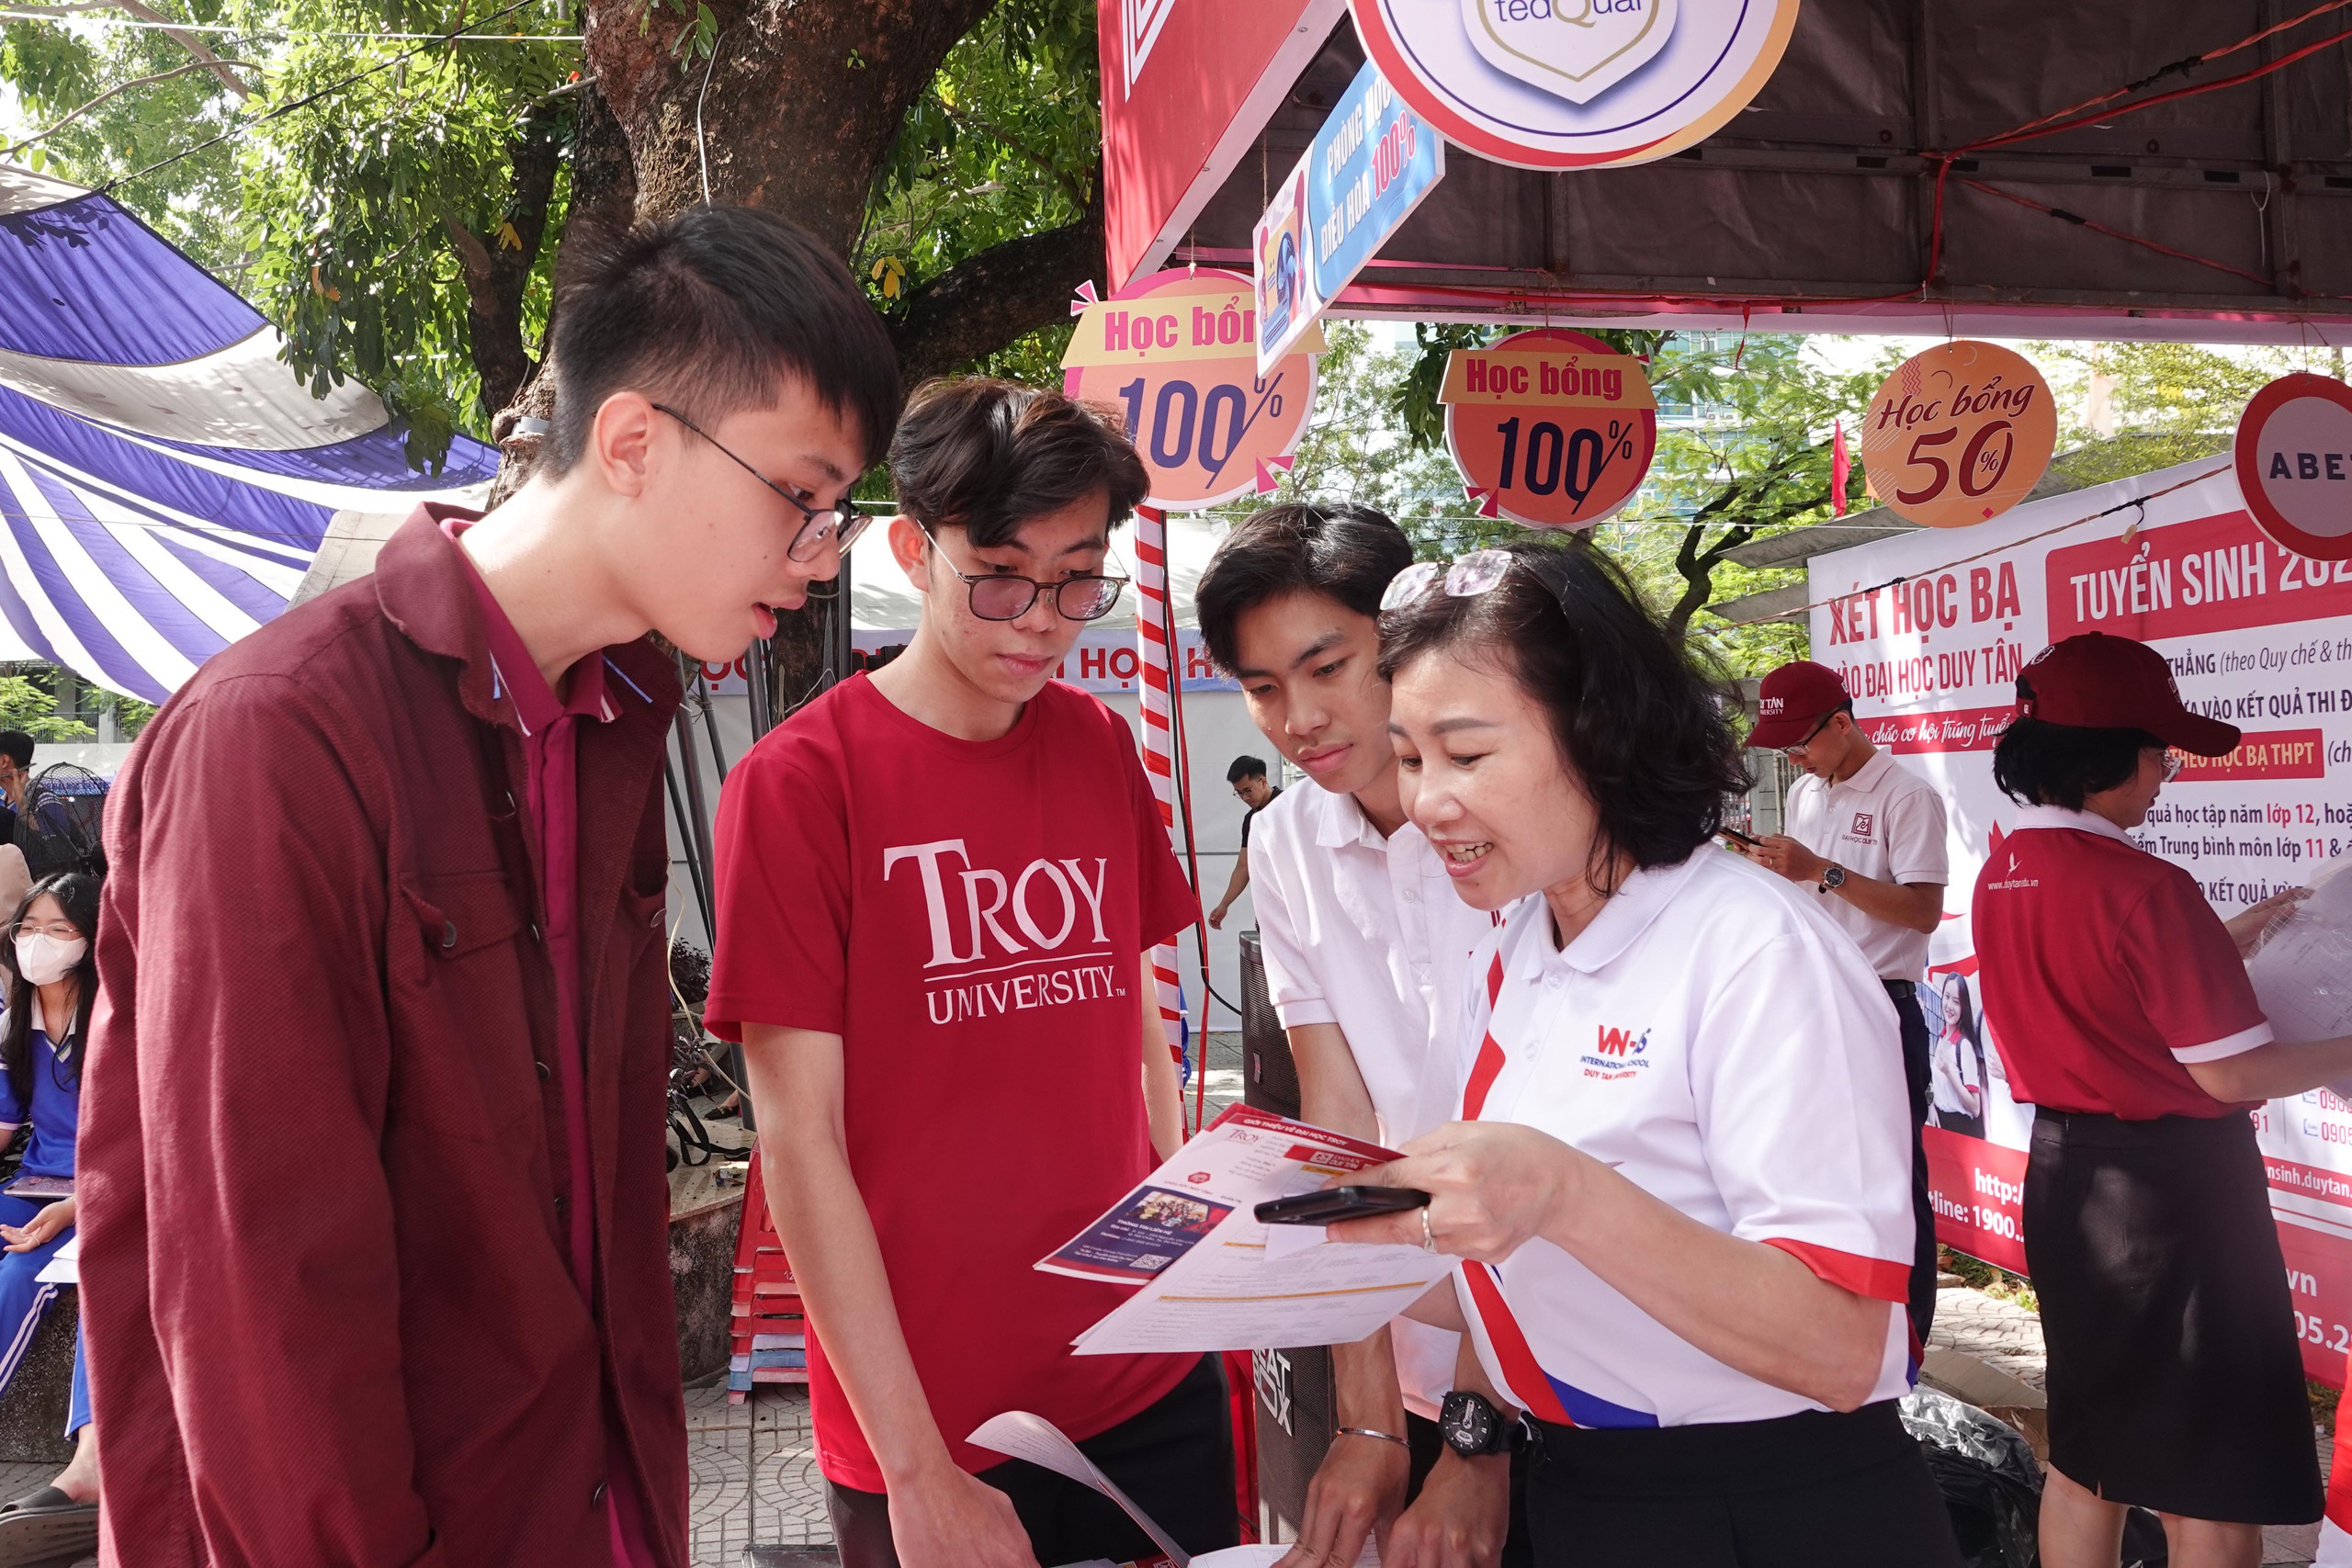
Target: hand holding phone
x: 1333, y: 1204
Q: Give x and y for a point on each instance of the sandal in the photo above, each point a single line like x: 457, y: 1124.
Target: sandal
x: 44, y: 1525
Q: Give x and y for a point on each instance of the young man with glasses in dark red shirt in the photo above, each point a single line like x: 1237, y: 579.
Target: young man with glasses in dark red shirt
x: 375, y: 1218
x: 938, y: 888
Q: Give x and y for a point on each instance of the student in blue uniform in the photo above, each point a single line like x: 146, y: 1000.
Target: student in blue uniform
x: 52, y: 978
x: 51, y: 971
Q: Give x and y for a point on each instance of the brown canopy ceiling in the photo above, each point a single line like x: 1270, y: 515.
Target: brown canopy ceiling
x: 2221, y: 216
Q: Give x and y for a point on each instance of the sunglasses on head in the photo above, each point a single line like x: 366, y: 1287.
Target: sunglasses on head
x: 1472, y: 574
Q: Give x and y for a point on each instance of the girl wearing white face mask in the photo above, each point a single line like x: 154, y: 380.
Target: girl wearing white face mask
x: 52, y: 972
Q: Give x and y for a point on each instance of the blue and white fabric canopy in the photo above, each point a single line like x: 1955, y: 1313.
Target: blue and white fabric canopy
x: 165, y: 479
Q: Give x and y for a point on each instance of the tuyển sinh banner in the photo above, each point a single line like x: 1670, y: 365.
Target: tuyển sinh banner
x: 2255, y: 635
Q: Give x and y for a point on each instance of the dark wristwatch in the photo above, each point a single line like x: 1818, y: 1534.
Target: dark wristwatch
x: 1474, y: 1427
x: 1833, y: 877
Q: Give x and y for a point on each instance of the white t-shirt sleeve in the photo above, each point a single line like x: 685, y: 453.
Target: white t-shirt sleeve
x: 1916, y: 847
x: 1291, y: 983
x: 1797, y: 1081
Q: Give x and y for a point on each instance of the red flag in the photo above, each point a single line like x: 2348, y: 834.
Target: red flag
x: 1841, y: 465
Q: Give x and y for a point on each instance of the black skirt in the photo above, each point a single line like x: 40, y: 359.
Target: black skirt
x: 2175, y: 1379
x: 1817, y: 1490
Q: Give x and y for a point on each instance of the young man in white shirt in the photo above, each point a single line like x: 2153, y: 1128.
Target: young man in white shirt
x: 1869, y: 836
x: 1366, y: 949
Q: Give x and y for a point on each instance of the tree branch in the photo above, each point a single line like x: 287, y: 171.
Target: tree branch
x: 1069, y: 187
x: 987, y: 300
x: 209, y: 63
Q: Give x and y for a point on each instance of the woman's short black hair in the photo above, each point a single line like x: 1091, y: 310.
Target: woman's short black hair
x: 1638, y: 722
x: 986, y: 456
x: 2040, y: 763
x: 711, y: 311
x: 1344, y: 552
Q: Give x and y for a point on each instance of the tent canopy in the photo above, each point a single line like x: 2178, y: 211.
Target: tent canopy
x: 165, y: 479
x: 2221, y: 216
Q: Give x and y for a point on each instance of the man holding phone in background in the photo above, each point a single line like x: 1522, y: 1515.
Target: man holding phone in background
x: 1868, y: 836
x: 1365, y: 946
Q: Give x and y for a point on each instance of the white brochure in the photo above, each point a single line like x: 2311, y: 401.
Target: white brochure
x: 1019, y: 1435
x: 2303, y: 971
x: 1208, y: 1278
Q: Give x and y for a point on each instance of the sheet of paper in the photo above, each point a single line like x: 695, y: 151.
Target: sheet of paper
x: 1019, y: 1435
x: 2303, y: 972
x: 65, y: 1264
x: 1212, y: 1278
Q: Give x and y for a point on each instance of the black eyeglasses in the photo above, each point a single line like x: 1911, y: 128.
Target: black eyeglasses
x: 843, y: 524
x: 1813, y: 733
x: 1001, y: 596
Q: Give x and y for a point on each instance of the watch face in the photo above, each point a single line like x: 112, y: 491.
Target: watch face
x: 1468, y: 1423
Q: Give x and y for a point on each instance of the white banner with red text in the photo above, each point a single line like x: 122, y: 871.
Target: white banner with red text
x: 1929, y: 630
x: 1103, y: 661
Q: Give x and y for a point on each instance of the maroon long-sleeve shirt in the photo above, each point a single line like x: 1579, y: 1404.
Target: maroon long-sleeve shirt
x: 326, y: 1177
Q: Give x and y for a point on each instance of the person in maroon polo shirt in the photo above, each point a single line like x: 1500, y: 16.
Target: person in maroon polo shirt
x: 374, y: 1210
x: 2122, y: 1013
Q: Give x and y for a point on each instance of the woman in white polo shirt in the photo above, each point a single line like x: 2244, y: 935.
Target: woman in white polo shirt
x: 2122, y: 1011
x: 1680, y: 1173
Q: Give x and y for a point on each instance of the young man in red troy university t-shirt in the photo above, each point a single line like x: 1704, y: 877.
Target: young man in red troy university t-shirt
x: 937, y: 889
x: 375, y: 1227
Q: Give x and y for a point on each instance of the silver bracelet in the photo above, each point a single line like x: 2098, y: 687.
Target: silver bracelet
x: 1368, y: 1432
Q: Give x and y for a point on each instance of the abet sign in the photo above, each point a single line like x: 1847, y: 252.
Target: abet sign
x: 2294, y: 459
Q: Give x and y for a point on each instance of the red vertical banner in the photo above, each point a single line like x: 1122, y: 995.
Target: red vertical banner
x: 1977, y: 1190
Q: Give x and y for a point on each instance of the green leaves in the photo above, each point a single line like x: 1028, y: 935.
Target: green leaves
x: 1005, y: 143
x: 341, y: 219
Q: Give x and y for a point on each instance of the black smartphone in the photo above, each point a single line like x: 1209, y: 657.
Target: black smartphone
x: 1739, y: 840
x: 1335, y: 1203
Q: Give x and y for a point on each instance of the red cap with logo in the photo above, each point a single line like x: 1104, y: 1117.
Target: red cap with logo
x: 2098, y: 682
x: 1791, y: 700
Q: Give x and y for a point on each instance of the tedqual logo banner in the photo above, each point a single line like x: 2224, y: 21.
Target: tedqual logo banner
x: 1579, y: 49
x: 1576, y: 83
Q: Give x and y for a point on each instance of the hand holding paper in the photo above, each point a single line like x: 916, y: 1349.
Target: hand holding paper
x: 1211, y: 1277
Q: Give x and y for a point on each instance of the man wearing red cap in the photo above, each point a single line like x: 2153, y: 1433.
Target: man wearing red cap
x: 2123, y: 1014
x: 1867, y: 837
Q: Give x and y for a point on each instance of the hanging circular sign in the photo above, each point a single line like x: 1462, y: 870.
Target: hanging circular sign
x: 1960, y: 432
x: 1576, y: 83
x: 1177, y: 352
x: 2294, y: 465
x: 1550, y: 428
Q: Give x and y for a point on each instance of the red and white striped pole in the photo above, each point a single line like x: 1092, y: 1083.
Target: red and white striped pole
x: 1159, y: 743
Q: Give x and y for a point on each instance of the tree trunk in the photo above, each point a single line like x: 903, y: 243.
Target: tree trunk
x: 1697, y: 567
x: 805, y: 97
x: 793, y: 108
x: 604, y: 202
x: 497, y: 266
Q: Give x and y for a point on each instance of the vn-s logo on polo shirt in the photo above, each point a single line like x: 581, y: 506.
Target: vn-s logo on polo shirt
x: 1864, y: 823
x: 1616, y: 1053
x: 1009, y: 942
